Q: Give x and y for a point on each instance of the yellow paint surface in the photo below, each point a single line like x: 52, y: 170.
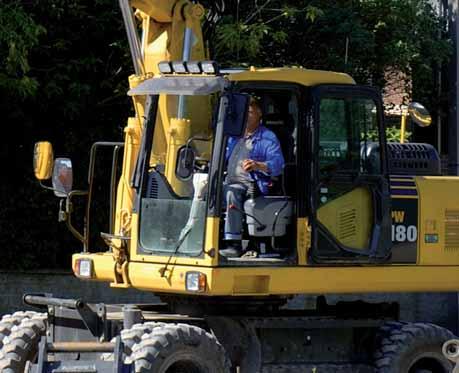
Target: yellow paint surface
x: 286, y: 280
x: 438, y: 214
x: 293, y: 75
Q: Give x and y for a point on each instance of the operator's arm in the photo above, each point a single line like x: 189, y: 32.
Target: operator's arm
x: 274, y: 160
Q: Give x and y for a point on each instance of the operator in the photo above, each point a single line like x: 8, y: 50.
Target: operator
x: 251, y: 159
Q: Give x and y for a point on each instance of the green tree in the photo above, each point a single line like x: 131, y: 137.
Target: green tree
x: 362, y: 37
x: 19, y: 34
x: 65, y: 82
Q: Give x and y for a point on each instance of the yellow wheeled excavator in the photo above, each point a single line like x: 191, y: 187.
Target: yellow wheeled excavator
x: 350, y: 213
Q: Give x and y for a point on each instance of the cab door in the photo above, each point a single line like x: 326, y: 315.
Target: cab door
x: 350, y: 199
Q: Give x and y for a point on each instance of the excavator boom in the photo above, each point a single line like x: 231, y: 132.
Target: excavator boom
x: 169, y: 30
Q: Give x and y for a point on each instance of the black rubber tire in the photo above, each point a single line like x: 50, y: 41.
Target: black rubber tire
x: 383, y: 336
x: 21, y: 345
x: 412, y: 348
x: 131, y: 337
x: 9, y: 322
x: 180, y: 348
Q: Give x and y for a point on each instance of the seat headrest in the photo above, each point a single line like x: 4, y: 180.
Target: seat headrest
x: 277, y: 120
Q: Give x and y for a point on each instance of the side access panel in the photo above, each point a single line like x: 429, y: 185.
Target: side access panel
x: 438, y: 220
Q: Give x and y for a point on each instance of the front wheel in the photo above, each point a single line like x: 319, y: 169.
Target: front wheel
x: 21, y: 346
x: 180, y: 348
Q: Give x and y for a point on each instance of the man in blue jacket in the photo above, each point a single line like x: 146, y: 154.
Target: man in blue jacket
x: 252, y: 158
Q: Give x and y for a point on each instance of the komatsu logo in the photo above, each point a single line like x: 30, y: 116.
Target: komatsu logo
x: 398, y: 216
x: 401, y: 231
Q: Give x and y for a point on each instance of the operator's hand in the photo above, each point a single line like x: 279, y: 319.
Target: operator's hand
x: 251, y: 165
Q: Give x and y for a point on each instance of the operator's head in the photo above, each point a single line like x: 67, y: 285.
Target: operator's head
x: 254, y: 115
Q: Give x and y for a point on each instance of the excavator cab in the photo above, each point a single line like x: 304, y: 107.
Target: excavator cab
x: 335, y: 175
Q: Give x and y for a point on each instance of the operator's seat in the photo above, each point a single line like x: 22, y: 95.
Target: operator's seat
x: 283, y: 127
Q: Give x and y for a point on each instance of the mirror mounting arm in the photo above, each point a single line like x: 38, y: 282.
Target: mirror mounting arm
x: 65, y: 215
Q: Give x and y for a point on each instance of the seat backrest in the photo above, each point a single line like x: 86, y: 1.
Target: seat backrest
x: 282, y: 126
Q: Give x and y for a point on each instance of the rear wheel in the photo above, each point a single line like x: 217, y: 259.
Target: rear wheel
x: 180, y: 348
x: 413, y: 348
x: 21, y: 346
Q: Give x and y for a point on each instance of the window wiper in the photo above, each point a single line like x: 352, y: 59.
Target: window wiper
x: 192, y: 219
x: 176, y: 250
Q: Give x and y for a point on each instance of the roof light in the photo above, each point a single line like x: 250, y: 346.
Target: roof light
x: 165, y: 67
x: 209, y: 67
x: 179, y: 67
x: 193, y: 67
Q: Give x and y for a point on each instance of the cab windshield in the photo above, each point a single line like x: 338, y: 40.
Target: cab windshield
x: 174, y: 226
x: 173, y: 204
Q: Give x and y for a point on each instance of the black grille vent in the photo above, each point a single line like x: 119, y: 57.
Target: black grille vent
x: 152, y: 191
x: 413, y: 159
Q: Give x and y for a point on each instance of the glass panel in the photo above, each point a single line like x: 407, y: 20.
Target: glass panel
x: 365, y: 116
x: 167, y: 223
x: 349, y: 137
x: 172, y: 209
x: 333, y: 136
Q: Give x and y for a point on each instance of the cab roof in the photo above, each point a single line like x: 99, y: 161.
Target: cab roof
x: 297, y: 75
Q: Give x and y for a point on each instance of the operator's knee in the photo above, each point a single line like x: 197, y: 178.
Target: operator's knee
x: 233, y: 195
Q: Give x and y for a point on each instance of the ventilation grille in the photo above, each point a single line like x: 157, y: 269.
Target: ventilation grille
x: 452, y: 229
x: 152, y: 189
x: 347, y: 227
x: 413, y: 159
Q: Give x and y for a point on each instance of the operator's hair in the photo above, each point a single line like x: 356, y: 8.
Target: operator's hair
x: 254, y: 100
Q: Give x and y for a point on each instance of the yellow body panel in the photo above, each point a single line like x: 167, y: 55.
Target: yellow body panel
x: 438, y: 215
x: 250, y: 281
x: 349, y: 218
x: 293, y: 75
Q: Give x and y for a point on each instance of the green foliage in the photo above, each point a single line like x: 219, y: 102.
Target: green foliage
x: 78, y: 71
x: 392, y: 134
x: 380, y: 35
x: 18, y: 35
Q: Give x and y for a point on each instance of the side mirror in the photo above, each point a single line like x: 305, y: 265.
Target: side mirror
x: 185, y: 163
x: 419, y: 114
x: 43, y: 160
x: 235, y: 114
x: 62, y: 177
